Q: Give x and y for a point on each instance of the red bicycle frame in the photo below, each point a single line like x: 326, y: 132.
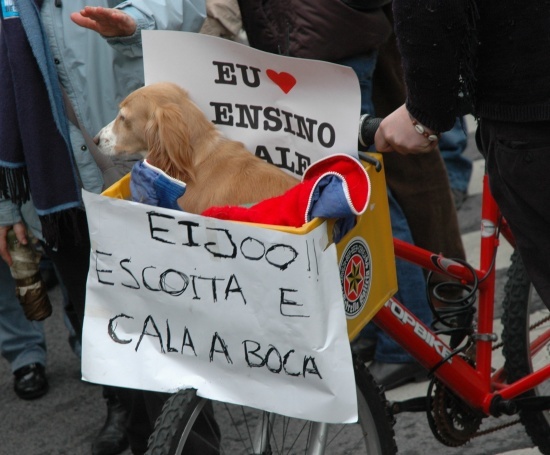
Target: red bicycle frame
x: 477, y: 385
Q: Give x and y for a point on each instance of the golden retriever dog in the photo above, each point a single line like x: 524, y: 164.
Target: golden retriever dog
x: 162, y: 123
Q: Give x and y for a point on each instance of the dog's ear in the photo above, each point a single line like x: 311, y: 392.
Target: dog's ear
x: 169, y: 143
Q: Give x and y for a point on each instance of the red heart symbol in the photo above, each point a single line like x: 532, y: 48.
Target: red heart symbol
x: 285, y: 81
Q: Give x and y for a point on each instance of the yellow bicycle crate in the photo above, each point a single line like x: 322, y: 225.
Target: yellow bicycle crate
x: 365, y: 254
x: 366, y: 258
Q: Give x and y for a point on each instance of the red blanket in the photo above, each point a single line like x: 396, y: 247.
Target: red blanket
x: 337, y: 186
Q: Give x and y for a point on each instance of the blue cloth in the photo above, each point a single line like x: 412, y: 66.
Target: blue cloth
x: 22, y: 342
x: 329, y: 201
x: 150, y: 185
x: 331, y: 196
x: 452, y: 145
x: 410, y: 278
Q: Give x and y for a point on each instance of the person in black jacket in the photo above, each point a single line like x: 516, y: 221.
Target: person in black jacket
x: 498, y: 55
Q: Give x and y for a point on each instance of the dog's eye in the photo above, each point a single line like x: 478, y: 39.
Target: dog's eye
x: 122, y: 118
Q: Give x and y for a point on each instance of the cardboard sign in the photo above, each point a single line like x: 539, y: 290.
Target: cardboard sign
x: 288, y: 111
x: 244, y: 314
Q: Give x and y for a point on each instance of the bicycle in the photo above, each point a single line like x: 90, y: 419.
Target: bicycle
x: 457, y: 399
x: 463, y: 389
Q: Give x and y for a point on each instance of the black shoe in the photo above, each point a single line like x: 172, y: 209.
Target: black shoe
x: 112, y: 439
x: 393, y: 375
x: 30, y: 381
x: 363, y: 348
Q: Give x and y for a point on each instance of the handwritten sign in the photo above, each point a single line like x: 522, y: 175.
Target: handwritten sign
x: 288, y: 111
x: 244, y: 314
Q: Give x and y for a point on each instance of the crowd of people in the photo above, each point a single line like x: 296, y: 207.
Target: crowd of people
x: 422, y: 65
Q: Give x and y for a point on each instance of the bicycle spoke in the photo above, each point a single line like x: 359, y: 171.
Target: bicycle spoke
x: 230, y: 426
x: 329, y: 442
x: 236, y: 426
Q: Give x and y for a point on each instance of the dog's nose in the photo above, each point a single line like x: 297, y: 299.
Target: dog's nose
x: 96, y: 139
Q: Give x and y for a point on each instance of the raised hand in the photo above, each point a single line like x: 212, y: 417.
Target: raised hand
x: 105, y: 21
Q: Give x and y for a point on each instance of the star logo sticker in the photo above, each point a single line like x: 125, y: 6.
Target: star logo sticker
x: 355, y: 275
x: 354, y: 278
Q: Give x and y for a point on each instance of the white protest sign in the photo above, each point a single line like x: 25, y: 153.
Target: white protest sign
x: 288, y: 111
x: 244, y: 314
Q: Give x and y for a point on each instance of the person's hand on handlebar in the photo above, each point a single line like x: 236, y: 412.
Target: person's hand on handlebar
x: 398, y: 133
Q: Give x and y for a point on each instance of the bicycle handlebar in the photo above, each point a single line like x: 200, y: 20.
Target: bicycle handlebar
x: 367, y: 129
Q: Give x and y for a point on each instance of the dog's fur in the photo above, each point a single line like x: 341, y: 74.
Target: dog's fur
x: 166, y: 127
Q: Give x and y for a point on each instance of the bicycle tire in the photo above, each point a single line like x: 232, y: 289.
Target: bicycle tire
x: 181, y: 410
x: 518, y: 317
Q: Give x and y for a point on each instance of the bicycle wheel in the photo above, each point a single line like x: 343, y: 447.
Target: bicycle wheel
x: 526, y: 345
x: 241, y: 430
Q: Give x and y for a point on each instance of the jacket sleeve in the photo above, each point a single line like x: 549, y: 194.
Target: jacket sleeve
x: 9, y: 213
x: 179, y: 15
x: 431, y: 36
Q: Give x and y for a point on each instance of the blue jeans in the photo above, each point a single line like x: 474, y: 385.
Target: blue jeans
x: 363, y: 66
x: 452, y: 145
x: 410, y: 278
x: 22, y: 342
x: 411, y: 293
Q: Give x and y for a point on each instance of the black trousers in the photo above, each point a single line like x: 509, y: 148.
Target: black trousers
x: 518, y: 163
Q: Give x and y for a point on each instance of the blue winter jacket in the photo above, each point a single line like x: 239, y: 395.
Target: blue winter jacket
x: 97, y: 73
